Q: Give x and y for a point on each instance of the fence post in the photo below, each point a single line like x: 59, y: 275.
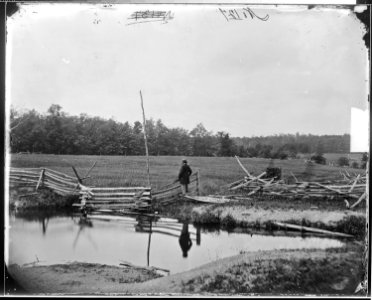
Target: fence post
x: 41, y: 179
x: 197, y: 183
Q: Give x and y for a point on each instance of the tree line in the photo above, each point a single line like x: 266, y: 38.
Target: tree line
x: 56, y: 132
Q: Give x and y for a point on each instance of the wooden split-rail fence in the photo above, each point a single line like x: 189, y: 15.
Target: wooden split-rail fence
x: 173, y: 191
x: 349, y: 188
x: 114, y: 198
x: 60, y: 183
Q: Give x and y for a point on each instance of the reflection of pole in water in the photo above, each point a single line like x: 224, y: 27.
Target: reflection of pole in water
x: 198, y: 236
x: 44, y: 224
x: 148, y: 245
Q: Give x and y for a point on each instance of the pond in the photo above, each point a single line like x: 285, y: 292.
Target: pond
x: 162, y: 242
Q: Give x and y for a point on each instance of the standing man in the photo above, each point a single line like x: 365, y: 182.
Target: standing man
x: 184, y: 176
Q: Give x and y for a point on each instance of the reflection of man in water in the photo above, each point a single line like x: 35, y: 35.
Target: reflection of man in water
x: 185, y: 241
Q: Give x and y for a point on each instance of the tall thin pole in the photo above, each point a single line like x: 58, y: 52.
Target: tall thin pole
x: 144, y: 133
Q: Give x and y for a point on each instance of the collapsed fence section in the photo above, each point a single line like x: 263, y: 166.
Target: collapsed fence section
x: 348, y: 188
x: 115, y: 198
x: 60, y: 183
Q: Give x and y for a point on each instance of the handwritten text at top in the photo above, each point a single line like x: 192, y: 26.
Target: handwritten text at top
x: 241, y: 14
x: 151, y: 16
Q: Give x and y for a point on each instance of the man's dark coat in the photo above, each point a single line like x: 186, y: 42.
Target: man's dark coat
x: 184, y: 175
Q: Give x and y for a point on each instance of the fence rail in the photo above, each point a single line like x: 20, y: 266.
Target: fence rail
x: 351, y: 187
x: 97, y: 197
x: 93, y: 197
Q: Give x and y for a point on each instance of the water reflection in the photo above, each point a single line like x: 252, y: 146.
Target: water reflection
x: 141, y: 240
x: 184, y: 240
x: 44, y: 223
x: 147, y: 224
x: 198, y: 235
x: 84, y: 222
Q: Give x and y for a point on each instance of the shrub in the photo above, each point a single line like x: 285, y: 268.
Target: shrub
x: 228, y: 222
x: 343, y: 161
x: 355, y: 165
x: 319, y: 159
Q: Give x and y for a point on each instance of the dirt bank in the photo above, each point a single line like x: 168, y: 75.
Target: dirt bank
x: 333, y: 271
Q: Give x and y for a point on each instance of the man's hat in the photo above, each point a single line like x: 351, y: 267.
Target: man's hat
x: 184, y: 161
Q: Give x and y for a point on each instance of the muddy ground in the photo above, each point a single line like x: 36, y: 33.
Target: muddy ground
x: 300, y: 272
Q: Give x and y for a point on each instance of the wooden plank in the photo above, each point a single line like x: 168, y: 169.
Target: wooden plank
x: 118, y: 199
x: 252, y: 179
x: 132, y: 194
x: 109, y: 202
x: 60, y: 179
x: 310, y: 229
x: 24, y: 171
x: 359, y: 200
x: 116, y: 206
x: 98, y: 189
x: 241, y: 165
x: 337, y: 191
x: 40, y: 179
x: 127, y: 264
x: 347, y: 186
x: 167, y: 190
x: 355, y: 182
x: 294, y: 176
x: 236, y: 182
x: 23, y: 175
x: 18, y: 183
x: 90, y: 170
x: 60, y: 174
x: 59, y: 184
x: 58, y: 188
x: 20, y: 179
x: 207, y: 199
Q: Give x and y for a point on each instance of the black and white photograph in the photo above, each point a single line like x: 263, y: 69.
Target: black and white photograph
x: 175, y: 149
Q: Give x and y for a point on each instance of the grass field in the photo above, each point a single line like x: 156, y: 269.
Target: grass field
x: 215, y: 172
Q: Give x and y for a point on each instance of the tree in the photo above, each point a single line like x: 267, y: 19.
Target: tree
x: 203, y: 143
x: 319, y: 149
x: 227, y: 146
x: 55, y: 110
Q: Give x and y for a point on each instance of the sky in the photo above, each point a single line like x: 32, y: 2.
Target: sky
x: 300, y: 71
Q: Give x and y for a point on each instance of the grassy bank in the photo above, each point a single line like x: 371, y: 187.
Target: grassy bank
x: 326, y: 275
x: 349, y: 223
x: 261, y: 214
x: 28, y: 199
x: 285, y: 272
